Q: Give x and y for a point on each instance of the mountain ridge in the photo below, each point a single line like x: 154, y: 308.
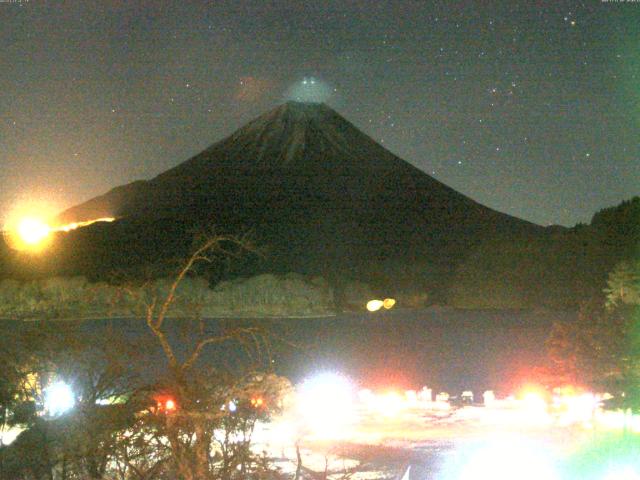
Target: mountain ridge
x: 320, y: 196
x: 291, y: 124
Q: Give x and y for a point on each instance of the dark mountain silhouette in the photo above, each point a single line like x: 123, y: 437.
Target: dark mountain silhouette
x: 307, y: 163
x: 315, y: 190
x: 320, y: 196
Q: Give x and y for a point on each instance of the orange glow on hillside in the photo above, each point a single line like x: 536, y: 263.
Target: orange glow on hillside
x: 74, y: 225
x: 32, y: 233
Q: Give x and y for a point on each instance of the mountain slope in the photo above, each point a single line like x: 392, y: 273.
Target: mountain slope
x: 314, y: 189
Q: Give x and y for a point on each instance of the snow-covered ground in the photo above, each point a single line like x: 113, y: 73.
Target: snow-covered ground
x: 368, y: 436
x: 382, y: 437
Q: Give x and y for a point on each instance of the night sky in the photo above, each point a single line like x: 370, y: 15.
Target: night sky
x: 531, y: 108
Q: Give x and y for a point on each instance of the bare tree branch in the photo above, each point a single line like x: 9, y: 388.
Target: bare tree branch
x: 211, y: 244
x: 236, y: 334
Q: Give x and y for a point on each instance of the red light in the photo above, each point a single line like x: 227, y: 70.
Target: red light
x: 166, y: 404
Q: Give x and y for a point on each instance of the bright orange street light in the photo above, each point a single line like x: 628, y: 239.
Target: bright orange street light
x: 28, y: 233
x: 33, y: 231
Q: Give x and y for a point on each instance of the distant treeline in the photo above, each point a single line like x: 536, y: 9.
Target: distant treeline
x: 262, y: 295
x: 558, y: 270
x: 555, y: 267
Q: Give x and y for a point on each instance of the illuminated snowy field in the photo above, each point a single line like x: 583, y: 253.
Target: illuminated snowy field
x: 382, y: 434
x: 342, y: 432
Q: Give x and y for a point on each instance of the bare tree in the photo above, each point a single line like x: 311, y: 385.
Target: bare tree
x: 202, y: 395
x: 207, y: 432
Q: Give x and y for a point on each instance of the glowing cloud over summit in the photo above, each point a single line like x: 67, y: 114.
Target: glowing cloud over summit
x: 309, y: 89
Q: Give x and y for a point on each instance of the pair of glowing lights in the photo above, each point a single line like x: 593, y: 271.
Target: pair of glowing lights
x: 375, y: 305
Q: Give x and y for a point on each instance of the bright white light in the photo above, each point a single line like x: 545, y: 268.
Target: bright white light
x: 390, y: 404
x: 623, y: 473
x: 232, y: 406
x: 58, y: 398
x: 407, y: 474
x: 489, y: 397
x: 581, y: 408
x: 8, y: 435
x: 507, y: 459
x: 374, y: 305
x: 326, y: 405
